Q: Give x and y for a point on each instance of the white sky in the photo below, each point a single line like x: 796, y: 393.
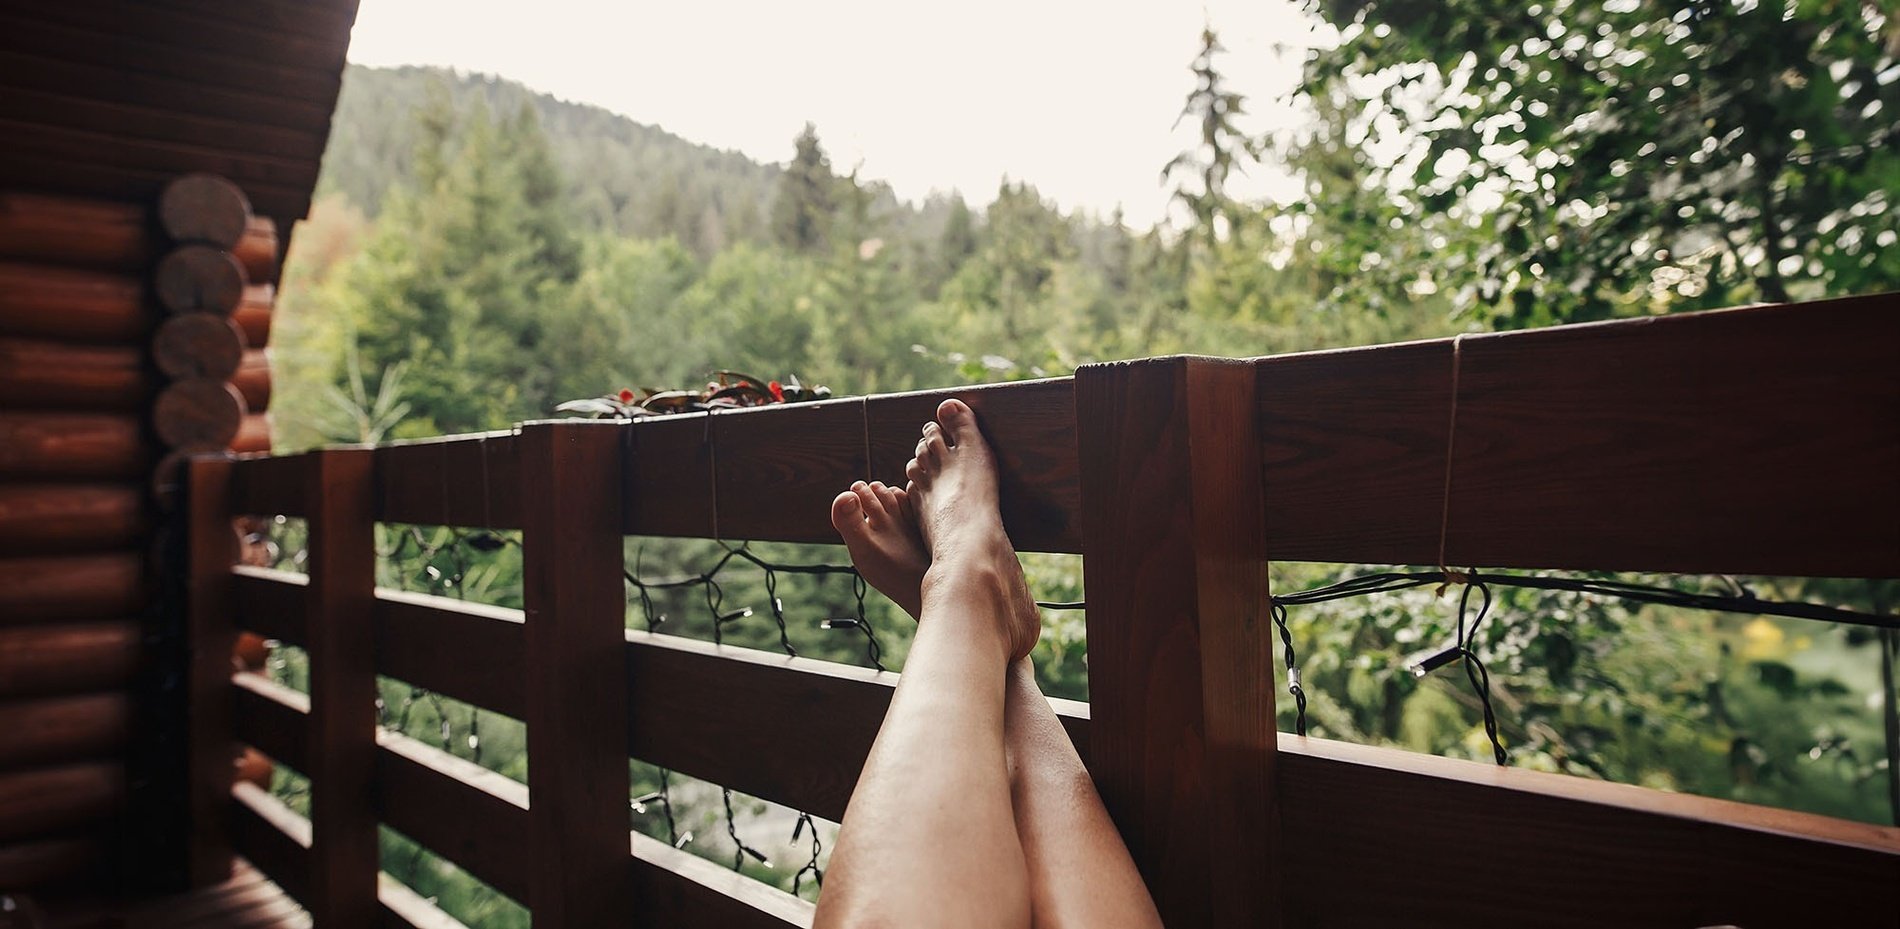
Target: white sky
x: 1075, y: 97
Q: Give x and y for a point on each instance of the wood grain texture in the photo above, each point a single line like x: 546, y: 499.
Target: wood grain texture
x: 484, y: 665
x: 457, y: 809
x: 210, y: 637
x: 198, y: 414
x: 791, y: 730
x: 205, y: 208
x: 576, y: 679
x: 51, y: 730
x: 42, y: 301
x: 48, y: 374
x: 199, y: 345
x: 48, y: 519
x: 73, y: 446
x: 338, y: 604
x: 458, y: 481
x: 1180, y: 659
x: 1756, y: 440
x: 199, y: 279
x: 71, y: 587
x: 67, y: 657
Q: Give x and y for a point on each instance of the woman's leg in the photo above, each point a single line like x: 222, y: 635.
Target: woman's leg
x: 929, y: 838
x: 1079, y: 871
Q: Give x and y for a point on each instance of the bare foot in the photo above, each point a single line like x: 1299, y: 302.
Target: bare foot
x: 953, y: 492
x: 881, y: 532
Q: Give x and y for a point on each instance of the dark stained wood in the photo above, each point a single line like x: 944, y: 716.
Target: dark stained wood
x: 253, y: 435
x: 50, y: 730
x: 1385, y: 837
x: 678, y: 888
x: 483, y: 666
x: 73, y: 446
x: 577, y: 733
x: 43, y: 801
x: 405, y: 909
x: 252, y: 379
x: 30, y: 864
x: 1029, y: 423
x: 199, y: 414
x: 254, y: 314
x: 109, y: 235
x: 791, y: 730
x: 313, y: 39
x: 270, y: 486
x: 199, y: 278
x: 1180, y: 657
x: 779, y: 467
x: 205, y: 208
x: 61, y: 303
x: 199, y: 345
x: 273, y: 837
x: 67, y: 657
x: 71, y: 587
x: 1684, y: 443
x: 270, y: 603
x: 337, y: 609
x: 209, y: 636
x: 272, y: 718
x: 459, y: 481
x: 458, y: 809
x: 48, y: 519
x: 44, y: 374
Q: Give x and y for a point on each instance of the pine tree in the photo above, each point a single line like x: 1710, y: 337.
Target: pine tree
x: 807, y: 197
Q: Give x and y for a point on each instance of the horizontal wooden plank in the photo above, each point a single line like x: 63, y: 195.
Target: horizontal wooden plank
x: 791, y: 730
x: 265, y: 485
x: 272, y: 718
x: 60, y: 799
x: 194, y: 35
x: 405, y: 909
x: 484, y: 666
x: 49, y: 730
x: 272, y: 837
x: 672, y: 887
x: 777, y: 468
x: 471, y: 480
x: 269, y: 603
x: 457, y: 809
x: 1756, y: 440
x: 90, y: 43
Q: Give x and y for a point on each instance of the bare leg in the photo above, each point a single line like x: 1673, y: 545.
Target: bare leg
x: 929, y: 838
x: 1079, y: 871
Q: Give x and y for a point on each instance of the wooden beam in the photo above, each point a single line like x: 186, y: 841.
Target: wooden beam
x: 338, y: 605
x: 68, y: 657
x: 61, y: 729
x: 270, y: 603
x: 679, y: 888
x: 272, y: 718
x: 456, y: 481
x: 210, y: 637
x: 1180, y: 656
x: 484, y: 668
x: 43, y: 801
x: 576, y: 687
x: 1593, y: 447
x: 47, y: 519
x: 270, y: 486
x: 457, y: 809
x: 272, y: 837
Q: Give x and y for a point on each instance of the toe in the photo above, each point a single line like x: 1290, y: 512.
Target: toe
x: 914, y: 470
x: 847, y: 515
x: 869, y: 502
x: 959, y: 421
x: 888, y: 496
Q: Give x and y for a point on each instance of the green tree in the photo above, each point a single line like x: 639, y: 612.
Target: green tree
x: 807, y: 197
x: 1573, y: 160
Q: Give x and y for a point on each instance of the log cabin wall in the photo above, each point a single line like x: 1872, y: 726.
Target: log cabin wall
x: 157, y: 154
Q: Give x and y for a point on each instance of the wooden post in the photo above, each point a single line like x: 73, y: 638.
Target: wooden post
x: 209, y: 637
x: 339, y: 498
x: 577, y: 674
x: 1180, y: 644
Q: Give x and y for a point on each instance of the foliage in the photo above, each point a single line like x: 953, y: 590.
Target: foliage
x: 1568, y: 160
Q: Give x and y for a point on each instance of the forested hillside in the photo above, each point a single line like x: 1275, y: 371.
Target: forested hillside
x: 481, y: 253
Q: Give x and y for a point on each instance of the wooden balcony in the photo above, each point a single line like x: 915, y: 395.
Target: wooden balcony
x: 1760, y: 440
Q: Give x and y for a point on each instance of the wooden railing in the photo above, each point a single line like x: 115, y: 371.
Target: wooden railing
x: 1760, y: 440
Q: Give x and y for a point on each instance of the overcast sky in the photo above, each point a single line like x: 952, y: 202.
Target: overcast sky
x: 1077, y: 97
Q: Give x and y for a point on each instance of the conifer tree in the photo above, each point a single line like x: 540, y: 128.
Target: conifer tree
x: 807, y: 197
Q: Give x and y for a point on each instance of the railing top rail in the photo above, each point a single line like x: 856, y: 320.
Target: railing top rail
x: 1752, y: 440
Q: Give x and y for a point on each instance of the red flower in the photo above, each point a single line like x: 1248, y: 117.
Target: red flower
x: 626, y: 396
x: 778, y: 391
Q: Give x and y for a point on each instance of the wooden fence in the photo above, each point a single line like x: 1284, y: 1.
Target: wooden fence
x: 1760, y: 440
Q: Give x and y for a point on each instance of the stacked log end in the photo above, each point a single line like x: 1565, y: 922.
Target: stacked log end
x: 131, y: 337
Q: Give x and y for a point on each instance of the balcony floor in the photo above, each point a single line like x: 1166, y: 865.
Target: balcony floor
x: 247, y: 901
